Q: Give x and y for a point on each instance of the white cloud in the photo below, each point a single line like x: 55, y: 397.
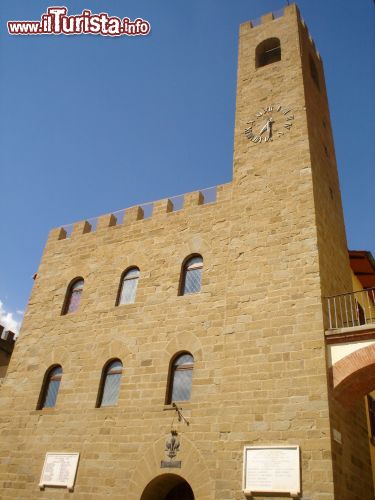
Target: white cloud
x: 8, y: 321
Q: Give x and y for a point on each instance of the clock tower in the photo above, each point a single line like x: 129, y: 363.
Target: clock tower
x: 290, y: 220
x: 284, y: 157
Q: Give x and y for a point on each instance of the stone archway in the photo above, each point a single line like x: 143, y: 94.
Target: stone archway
x: 353, y: 376
x: 168, y: 487
x: 150, y: 479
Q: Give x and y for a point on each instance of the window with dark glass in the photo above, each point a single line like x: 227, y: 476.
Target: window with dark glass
x: 128, y: 288
x: 191, y: 280
x: 50, y: 388
x: 180, y: 380
x: 268, y: 52
x: 73, y: 298
x: 110, y: 384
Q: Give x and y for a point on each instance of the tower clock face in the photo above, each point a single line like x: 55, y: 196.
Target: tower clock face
x: 269, y: 124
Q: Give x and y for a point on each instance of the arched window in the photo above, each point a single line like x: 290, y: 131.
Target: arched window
x: 73, y: 296
x: 268, y: 52
x: 314, y: 72
x: 180, y: 378
x: 50, y: 387
x: 191, y: 276
x: 128, y: 287
x: 110, y: 384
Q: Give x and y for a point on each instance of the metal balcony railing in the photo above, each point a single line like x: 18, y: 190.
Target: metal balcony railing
x: 351, y: 309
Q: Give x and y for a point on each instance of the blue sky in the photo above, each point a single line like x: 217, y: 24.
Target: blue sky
x: 90, y: 124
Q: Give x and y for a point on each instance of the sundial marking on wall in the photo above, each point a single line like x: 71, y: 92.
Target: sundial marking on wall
x: 270, y: 123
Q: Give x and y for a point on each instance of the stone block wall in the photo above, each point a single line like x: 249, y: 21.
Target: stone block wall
x: 256, y: 329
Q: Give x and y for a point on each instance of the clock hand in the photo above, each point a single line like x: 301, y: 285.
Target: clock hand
x: 263, y: 129
x: 267, y: 127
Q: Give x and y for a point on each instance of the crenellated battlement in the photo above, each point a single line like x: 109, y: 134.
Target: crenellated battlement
x: 269, y: 17
x: 7, y: 342
x: 304, y: 26
x: 141, y: 212
x: 7, y: 339
x: 167, y: 206
x: 288, y: 10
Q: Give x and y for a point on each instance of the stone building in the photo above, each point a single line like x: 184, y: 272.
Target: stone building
x: 7, y: 341
x: 362, y: 263
x: 212, y: 315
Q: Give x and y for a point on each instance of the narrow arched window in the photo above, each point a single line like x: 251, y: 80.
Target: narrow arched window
x: 267, y: 52
x: 191, y: 276
x: 73, y: 296
x: 50, y: 387
x: 314, y: 72
x: 180, y: 378
x: 110, y: 384
x: 128, y: 286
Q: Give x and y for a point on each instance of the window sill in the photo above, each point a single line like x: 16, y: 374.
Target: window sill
x: 185, y: 405
x: 196, y: 294
x: 107, y: 408
x: 128, y: 307
x: 71, y: 315
x: 44, y: 411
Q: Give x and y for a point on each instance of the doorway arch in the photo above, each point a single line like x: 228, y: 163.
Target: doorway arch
x: 168, y: 487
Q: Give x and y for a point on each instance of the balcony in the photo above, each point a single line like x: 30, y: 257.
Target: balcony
x: 351, y: 310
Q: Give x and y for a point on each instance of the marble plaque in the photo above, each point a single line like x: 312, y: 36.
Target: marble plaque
x: 272, y: 469
x: 59, y: 469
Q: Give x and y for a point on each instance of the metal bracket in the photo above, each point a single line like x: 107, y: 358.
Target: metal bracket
x: 180, y: 414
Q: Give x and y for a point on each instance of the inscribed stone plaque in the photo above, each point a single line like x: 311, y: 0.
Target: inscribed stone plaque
x: 169, y: 464
x: 272, y: 469
x: 59, y: 469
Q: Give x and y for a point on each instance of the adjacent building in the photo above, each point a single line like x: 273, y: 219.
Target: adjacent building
x: 7, y: 340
